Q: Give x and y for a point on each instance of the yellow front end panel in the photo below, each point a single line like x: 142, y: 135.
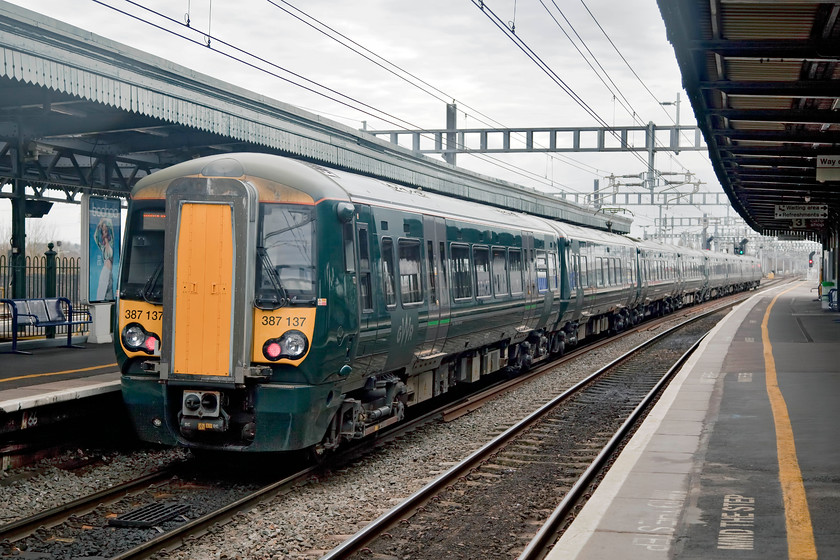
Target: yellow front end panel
x: 148, y: 315
x: 203, y: 285
x: 269, y: 324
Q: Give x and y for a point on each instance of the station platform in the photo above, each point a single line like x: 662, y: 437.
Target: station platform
x: 739, y: 457
x: 51, y: 375
x: 42, y: 392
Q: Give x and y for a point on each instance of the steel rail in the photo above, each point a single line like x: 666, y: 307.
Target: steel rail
x: 404, y: 510
x: 477, y: 400
x: 536, y: 549
x: 179, y: 535
x: 24, y: 527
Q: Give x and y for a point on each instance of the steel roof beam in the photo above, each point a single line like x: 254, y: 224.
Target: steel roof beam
x: 792, y: 116
x: 774, y: 162
x: 775, y: 48
x: 782, y: 136
x: 796, y: 88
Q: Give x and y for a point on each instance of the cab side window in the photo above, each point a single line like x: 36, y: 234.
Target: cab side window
x: 411, y: 290
x: 388, y: 273
x: 365, y: 289
x: 516, y: 269
x: 461, y: 273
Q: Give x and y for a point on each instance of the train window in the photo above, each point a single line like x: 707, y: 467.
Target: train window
x: 554, y: 279
x: 515, y: 269
x: 461, y: 273
x: 388, y: 280
x: 287, y: 236
x: 599, y: 271
x: 499, y: 268
x: 432, y: 271
x: 365, y: 287
x: 584, y: 272
x: 142, y: 276
x: 349, y: 248
x: 542, y: 272
x: 442, y: 256
x: 617, y: 271
x: 481, y: 259
x: 411, y: 290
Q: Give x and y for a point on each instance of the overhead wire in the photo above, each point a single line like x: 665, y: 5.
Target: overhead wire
x: 400, y: 72
x: 542, y: 65
x: 489, y: 159
x: 632, y: 70
x: 348, y: 100
x: 615, y: 90
x: 369, y: 110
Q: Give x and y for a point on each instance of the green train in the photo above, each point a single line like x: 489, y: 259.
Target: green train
x: 269, y: 304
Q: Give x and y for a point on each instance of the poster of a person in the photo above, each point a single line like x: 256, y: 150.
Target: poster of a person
x: 104, y: 238
x: 104, y: 248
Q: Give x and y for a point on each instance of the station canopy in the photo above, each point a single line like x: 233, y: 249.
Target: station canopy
x: 764, y: 83
x: 83, y: 114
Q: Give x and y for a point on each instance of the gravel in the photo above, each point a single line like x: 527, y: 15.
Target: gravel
x: 309, y: 521
x: 45, y: 485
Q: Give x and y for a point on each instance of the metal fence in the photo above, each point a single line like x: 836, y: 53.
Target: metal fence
x: 41, y: 276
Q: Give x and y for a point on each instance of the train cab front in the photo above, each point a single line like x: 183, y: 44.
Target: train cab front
x: 217, y: 313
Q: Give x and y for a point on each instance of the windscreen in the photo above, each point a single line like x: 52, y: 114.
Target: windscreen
x: 142, y: 273
x: 286, y: 269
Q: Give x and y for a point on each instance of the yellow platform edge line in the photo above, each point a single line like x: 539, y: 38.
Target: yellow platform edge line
x: 34, y: 375
x: 800, y: 532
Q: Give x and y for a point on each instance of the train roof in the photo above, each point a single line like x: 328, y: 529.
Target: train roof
x: 365, y: 190
x: 323, y: 183
x: 579, y: 233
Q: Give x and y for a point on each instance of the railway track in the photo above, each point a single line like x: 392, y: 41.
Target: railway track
x: 479, y: 399
x: 551, y: 456
x: 176, y: 534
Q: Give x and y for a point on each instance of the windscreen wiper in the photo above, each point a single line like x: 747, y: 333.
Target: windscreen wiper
x: 149, y: 294
x: 280, y: 298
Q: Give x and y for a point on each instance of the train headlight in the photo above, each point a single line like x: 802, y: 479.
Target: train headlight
x: 134, y: 336
x: 136, y: 339
x: 292, y: 345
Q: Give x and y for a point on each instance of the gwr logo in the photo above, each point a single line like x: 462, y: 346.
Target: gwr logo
x: 405, y: 331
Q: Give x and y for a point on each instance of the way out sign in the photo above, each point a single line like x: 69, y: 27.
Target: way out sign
x: 828, y: 168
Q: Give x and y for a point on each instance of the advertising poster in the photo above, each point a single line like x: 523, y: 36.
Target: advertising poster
x: 104, y: 248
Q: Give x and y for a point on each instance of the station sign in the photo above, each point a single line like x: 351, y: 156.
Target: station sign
x: 801, y: 211
x: 828, y: 168
x: 803, y: 223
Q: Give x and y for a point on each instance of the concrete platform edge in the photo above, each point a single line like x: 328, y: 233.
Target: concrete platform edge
x: 51, y: 393
x: 587, y: 522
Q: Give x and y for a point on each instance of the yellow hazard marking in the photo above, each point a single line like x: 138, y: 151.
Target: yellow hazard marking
x: 203, y: 284
x: 34, y: 375
x: 800, y: 533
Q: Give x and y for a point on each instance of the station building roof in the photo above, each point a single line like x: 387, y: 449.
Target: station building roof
x: 81, y: 113
x: 764, y: 83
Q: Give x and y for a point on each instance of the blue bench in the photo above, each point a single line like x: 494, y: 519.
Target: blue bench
x: 44, y: 312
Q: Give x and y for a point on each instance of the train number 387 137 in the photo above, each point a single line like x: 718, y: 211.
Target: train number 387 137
x: 276, y: 320
x: 137, y: 314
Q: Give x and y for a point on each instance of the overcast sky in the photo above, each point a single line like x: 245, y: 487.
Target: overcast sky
x: 454, y: 48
